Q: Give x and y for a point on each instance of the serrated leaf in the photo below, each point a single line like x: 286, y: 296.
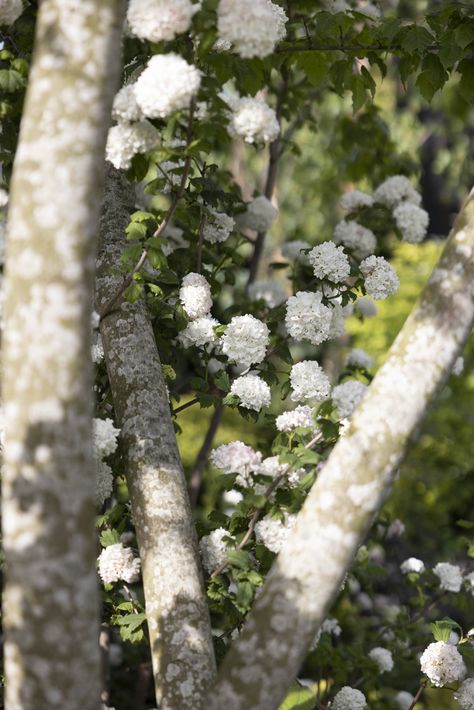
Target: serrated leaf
x: 464, y: 34
x: 299, y: 699
x: 238, y: 558
x: 11, y: 80
x: 109, y: 537
x: 134, y: 292
x: 359, y: 92
x: 136, y: 231
x: 432, y: 77
x: 416, y: 38
x: 314, y: 65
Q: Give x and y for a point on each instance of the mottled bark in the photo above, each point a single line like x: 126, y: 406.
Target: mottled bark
x: 178, y: 619
x: 351, y: 488
x: 51, y: 603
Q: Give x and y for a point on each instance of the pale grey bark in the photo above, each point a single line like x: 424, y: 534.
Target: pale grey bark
x: 355, y: 481
x: 177, y: 614
x: 51, y: 606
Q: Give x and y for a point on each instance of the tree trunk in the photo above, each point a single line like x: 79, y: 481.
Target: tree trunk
x: 51, y: 603
x: 350, y: 490
x: 178, y: 618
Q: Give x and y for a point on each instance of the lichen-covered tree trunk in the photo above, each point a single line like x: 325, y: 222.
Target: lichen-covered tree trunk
x: 352, y: 486
x: 178, y: 619
x: 51, y: 617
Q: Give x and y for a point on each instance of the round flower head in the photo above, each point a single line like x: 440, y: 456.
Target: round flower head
x: 253, y: 120
x: 105, y: 437
x: 383, y: 658
x: 195, y: 296
x: 366, y: 307
x: 359, y: 358
x: 213, y: 549
x: 272, y: 532
x: 128, y: 139
x: 355, y: 200
x: 380, y: 278
x: 235, y: 457
x: 396, y: 189
x: 404, y: 700
x: 159, y: 20
x: 269, y: 291
x: 245, y: 340
x: 412, y: 564
x: 360, y: 240
x: 347, y: 396
x: 450, y: 576
x: 464, y: 695
x: 349, y: 699
x: 104, y: 483
x: 293, y: 251
x: 253, y: 392
x: 10, y: 11
x: 458, y: 366
x: 329, y: 262
x: 125, y: 108
x: 199, y: 332
x: 442, y: 663
x: 259, y: 216
x: 299, y: 417
x: 412, y: 221
x: 309, y: 382
x: 167, y: 84
x: 117, y: 562
x: 217, y: 226
x: 307, y: 318
x: 252, y: 27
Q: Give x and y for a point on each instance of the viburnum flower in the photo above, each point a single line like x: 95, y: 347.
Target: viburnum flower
x: 128, y: 139
x: 464, y: 695
x: 167, y: 84
x: 359, y: 358
x: 380, y: 278
x: 104, y: 482
x: 442, y: 663
x: 159, y: 20
x: 259, y: 216
x: 195, y: 296
x: 404, y: 700
x: 349, y: 699
x: 251, y: 27
x: 412, y: 564
x: 217, y: 226
x: 269, y: 291
x: 272, y: 532
x: 412, y: 221
x: 347, y: 396
x: 366, y: 307
x: 125, y: 108
x: 116, y: 563
x: 396, y: 189
x: 245, y: 340
x: 354, y: 200
x: 307, y: 318
x: 309, y: 382
x: 199, y: 332
x: 293, y: 251
x: 235, y: 457
x: 301, y: 416
x: 97, y: 349
x: 360, y: 240
x: 105, y: 436
x: 450, y: 576
x: 329, y: 262
x: 383, y: 658
x: 10, y: 11
x: 253, y: 392
x: 253, y: 120
x: 213, y: 548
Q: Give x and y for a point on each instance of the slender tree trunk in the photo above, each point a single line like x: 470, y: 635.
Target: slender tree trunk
x: 51, y: 603
x: 178, y: 619
x: 351, y: 488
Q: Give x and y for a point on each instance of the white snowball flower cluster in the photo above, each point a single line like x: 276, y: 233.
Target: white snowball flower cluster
x: 349, y: 699
x: 380, y: 277
x: 299, y: 417
x: 245, y: 340
x: 331, y: 626
x: 347, y: 396
x: 252, y: 27
x: 268, y: 291
x: 309, y: 382
x: 195, y: 296
x: 127, y: 139
x: 412, y: 221
x: 412, y: 564
x: 329, y: 262
x: 272, y: 532
x: 404, y: 700
x: 10, y: 11
x: 171, y: 171
x: 355, y: 200
x: 235, y: 457
x: 253, y: 392
x: 442, y: 663
x: 307, y: 318
x: 360, y: 240
x: 396, y: 189
x: 199, y: 332
x: 159, y: 20
x: 104, y: 482
x: 253, y: 120
x: 293, y: 251
x: 259, y: 215
x: 366, y: 307
x: 116, y: 563
x: 105, y: 436
x: 125, y: 108
x: 272, y: 468
x: 167, y: 84
x: 450, y: 576
x: 464, y: 695
x: 383, y: 658
x: 359, y: 358
x: 213, y: 549
x: 458, y: 366
x: 218, y: 226
x: 97, y: 349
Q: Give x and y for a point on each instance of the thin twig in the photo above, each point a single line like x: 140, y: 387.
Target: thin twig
x: 201, y: 459
x: 184, y: 406
x: 347, y: 48
x: 418, y: 694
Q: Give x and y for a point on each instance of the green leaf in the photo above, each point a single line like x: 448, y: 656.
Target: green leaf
x: 136, y: 231
x: 441, y: 630
x: 244, y: 595
x: 315, y: 65
x: 222, y: 380
x: 238, y: 558
x: 359, y: 92
x: 449, y: 52
x: 432, y: 77
x: 109, y: 537
x: 466, y: 85
x: 134, y: 292
x: 156, y: 258
x: 299, y: 699
x: 416, y: 39
x: 141, y: 216
x: 11, y: 80
x: 464, y: 34
x: 368, y: 80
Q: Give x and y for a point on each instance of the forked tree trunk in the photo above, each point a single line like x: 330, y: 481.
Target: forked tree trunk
x: 177, y: 614
x: 350, y: 490
x: 51, y: 605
